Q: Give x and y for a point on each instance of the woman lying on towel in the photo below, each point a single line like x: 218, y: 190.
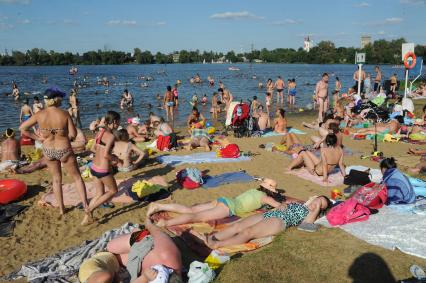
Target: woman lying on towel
x: 149, y: 256
x: 331, y: 156
x: 269, y: 223
x: 246, y: 202
x: 390, y: 127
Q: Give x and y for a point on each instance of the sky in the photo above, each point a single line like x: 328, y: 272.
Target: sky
x: 218, y: 25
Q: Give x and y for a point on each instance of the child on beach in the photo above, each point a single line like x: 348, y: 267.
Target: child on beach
x: 37, y: 105
x: 26, y: 111
x: 101, y: 167
x: 268, y: 102
x: 125, y: 150
x: 254, y: 104
x: 292, y: 92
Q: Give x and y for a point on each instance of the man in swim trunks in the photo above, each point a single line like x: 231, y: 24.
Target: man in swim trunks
x: 168, y: 103
x: 133, y: 130
x: 393, y: 83
x: 377, y: 79
x: 361, y: 79
x: 26, y: 111
x: 321, y: 93
x: 279, y: 85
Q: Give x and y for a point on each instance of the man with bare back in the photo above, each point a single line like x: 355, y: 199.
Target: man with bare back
x: 279, y: 85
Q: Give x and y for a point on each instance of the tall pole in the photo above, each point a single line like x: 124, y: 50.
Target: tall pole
x: 359, y: 78
x: 406, y: 83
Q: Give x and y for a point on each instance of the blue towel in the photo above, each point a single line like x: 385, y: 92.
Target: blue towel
x: 204, y: 157
x: 226, y: 178
x: 291, y: 130
x: 419, y: 186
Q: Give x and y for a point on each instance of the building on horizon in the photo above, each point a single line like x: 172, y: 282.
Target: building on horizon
x: 307, y: 44
x: 176, y: 57
x: 365, y: 40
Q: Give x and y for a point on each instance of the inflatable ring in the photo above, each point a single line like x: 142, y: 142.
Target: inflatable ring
x: 11, y: 190
x: 413, y: 62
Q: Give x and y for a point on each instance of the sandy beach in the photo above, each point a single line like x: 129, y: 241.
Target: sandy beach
x: 329, y: 255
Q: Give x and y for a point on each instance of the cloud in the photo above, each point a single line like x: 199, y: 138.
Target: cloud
x: 385, y: 22
x: 158, y: 24
x: 363, y: 5
x: 22, y: 2
x: 381, y: 32
x: 236, y: 16
x: 122, y: 23
x: 24, y: 22
x: 287, y: 22
x: 413, y: 2
x: 69, y: 22
x: 393, y: 21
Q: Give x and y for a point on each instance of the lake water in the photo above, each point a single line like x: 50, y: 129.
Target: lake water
x: 95, y: 102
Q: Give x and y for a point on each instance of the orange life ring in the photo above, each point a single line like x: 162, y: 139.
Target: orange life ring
x: 413, y: 62
x: 11, y: 190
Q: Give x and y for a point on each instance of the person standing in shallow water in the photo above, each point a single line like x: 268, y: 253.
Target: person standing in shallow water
x: 168, y: 103
x: 279, y: 85
x: 56, y: 130
x: 15, y: 91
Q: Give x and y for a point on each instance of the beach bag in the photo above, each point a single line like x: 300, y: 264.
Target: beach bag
x: 163, y: 143
x: 189, y: 178
x: 372, y: 195
x: 230, y: 151
x: 356, y: 177
x: 347, y: 212
x: 200, y: 272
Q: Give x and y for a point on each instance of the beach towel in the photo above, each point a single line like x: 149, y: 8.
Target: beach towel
x: 64, y: 266
x: 391, y: 229
x: 188, y: 233
x: 226, y: 178
x: 335, y: 178
x: 291, y: 130
x: 72, y: 198
x: 196, y: 158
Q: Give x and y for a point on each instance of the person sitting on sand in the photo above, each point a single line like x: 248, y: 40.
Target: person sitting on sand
x: 399, y: 188
x: 10, y: 151
x: 26, y: 111
x: 161, y: 128
x: 421, y: 166
x: 101, y: 166
x: 222, y: 207
x: 333, y: 128
x: 56, y: 130
x: 152, y: 119
x: 199, y: 138
x: 390, y: 127
x: 79, y: 143
x: 280, y: 122
x: 94, y: 125
x: 149, y: 255
x: 133, y: 130
x: 125, y: 151
x: 30, y: 168
x: 37, y: 105
x: 270, y: 223
x: 331, y: 156
x: 195, y: 120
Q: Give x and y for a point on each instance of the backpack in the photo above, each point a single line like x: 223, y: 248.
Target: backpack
x: 372, y: 195
x: 189, y: 178
x: 230, y: 151
x: 347, y: 212
x: 163, y: 143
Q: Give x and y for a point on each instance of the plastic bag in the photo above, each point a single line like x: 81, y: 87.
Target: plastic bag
x: 200, y: 272
x: 215, y: 260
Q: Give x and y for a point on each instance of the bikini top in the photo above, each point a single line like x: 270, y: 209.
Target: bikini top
x: 98, y: 139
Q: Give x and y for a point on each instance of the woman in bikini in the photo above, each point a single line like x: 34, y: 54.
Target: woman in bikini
x: 331, y: 156
x: 101, y: 167
x: 391, y: 127
x: 56, y: 130
x: 244, y: 203
x: 270, y: 223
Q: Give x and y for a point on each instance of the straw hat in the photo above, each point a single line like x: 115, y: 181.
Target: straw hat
x: 269, y: 184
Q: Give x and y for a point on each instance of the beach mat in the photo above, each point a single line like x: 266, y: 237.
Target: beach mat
x: 71, y: 197
x: 188, y: 233
x: 291, y: 130
x: 226, y: 178
x: 196, y: 158
x: 394, y: 227
x: 64, y: 266
x: 335, y: 178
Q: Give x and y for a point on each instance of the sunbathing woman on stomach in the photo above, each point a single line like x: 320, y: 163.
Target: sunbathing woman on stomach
x: 222, y: 207
x: 390, y: 127
x: 331, y: 156
x: 269, y: 223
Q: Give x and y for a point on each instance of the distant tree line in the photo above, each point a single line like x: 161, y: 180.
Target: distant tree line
x: 325, y: 52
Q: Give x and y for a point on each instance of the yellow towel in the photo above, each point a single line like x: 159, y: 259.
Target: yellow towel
x: 144, y: 188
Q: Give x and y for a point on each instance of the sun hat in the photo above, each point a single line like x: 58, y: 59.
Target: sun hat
x: 269, y: 184
x: 54, y: 92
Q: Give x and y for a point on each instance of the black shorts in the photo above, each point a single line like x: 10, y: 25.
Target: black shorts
x: 376, y: 86
x: 280, y: 89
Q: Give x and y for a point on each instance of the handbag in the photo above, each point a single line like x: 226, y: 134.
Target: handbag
x: 356, y: 177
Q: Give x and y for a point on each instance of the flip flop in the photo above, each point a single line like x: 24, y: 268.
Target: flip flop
x: 107, y: 205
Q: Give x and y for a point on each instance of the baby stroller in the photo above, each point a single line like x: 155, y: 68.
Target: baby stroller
x: 238, y: 119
